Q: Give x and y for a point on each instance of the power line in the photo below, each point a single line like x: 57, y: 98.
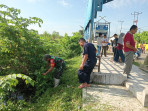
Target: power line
x: 136, y: 15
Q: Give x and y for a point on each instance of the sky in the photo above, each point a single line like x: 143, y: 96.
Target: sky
x: 67, y: 16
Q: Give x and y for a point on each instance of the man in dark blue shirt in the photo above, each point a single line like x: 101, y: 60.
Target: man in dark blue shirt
x: 88, y: 63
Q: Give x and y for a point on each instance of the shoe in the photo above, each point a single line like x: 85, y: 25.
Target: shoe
x: 128, y: 76
x: 115, y: 62
x: 122, y: 64
x: 56, y: 82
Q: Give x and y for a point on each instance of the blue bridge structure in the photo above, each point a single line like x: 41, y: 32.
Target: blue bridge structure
x: 92, y: 8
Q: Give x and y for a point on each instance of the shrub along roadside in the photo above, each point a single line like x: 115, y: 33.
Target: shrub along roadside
x: 7, y: 86
x: 66, y: 97
x: 21, y: 52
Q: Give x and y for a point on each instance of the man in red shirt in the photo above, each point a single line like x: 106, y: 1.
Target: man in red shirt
x: 129, y: 49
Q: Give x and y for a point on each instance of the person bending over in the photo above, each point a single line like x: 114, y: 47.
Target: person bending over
x: 58, y: 64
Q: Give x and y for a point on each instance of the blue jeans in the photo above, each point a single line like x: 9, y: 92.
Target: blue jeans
x: 119, y: 53
x: 98, y: 50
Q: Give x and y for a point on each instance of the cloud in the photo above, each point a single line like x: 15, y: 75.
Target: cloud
x: 63, y: 3
x: 122, y: 3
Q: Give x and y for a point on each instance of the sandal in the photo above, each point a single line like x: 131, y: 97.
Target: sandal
x: 82, y: 86
x: 88, y: 85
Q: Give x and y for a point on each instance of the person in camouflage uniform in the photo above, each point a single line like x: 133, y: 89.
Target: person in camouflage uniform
x: 58, y: 64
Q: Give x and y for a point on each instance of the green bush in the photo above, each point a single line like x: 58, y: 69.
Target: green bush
x: 69, y: 45
x: 8, y: 84
x: 22, y: 50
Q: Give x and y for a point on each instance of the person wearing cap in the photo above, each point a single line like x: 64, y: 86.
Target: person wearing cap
x: 58, y: 64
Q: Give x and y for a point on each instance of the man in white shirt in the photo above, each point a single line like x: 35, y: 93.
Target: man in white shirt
x: 104, y: 45
x: 99, y: 44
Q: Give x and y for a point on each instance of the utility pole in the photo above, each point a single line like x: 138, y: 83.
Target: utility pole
x: 136, y: 15
x: 121, y: 25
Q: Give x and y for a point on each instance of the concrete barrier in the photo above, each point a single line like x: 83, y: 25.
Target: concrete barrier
x: 112, y: 79
x: 138, y: 85
x: 145, y: 98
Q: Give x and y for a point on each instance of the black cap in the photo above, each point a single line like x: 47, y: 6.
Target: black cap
x: 46, y: 56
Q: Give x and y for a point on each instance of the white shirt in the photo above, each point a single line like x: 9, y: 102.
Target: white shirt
x: 99, y: 41
x: 104, y: 40
x: 111, y: 39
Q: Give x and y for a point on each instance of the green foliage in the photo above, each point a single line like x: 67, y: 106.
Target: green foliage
x: 22, y: 50
x: 70, y: 46
x: 65, y: 47
x: 142, y: 37
x: 66, y: 97
x: 9, y: 82
x: 14, y: 107
x: 42, y: 82
x: 51, y: 43
x: 136, y: 64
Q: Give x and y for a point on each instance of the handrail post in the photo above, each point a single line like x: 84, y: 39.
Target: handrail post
x: 99, y: 57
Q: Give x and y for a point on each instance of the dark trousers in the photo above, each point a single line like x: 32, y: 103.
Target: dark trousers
x: 119, y: 53
x: 58, y: 72
x: 115, y: 51
x: 104, y: 49
x: 84, y: 75
x: 112, y: 49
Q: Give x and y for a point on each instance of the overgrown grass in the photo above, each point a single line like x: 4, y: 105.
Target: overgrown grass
x: 66, y: 97
x: 136, y: 63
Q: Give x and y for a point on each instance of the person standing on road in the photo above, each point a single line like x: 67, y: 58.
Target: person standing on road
x: 115, y: 45
x: 99, y: 44
x: 129, y: 49
x: 112, y: 41
x: 104, y: 45
x: 119, y: 49
x: 88, y: 63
